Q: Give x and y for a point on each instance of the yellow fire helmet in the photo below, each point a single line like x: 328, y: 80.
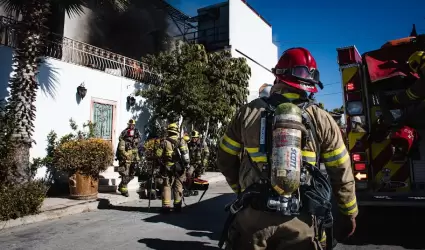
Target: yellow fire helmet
x: 131, y: 122
x: 417, y: 61
x: 186, y: 138
x: 195, y: 134
x: 173, y: 128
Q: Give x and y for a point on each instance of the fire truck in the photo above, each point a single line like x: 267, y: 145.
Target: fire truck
x: 367, y: 81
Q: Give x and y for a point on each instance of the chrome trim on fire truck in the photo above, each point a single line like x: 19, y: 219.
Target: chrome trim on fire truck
x: 391, y: 199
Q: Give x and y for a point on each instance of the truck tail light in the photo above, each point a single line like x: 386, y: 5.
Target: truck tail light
x: 360, y: 166
x: 350, y: 86
x: 359, y: 161
x: 356, y: 157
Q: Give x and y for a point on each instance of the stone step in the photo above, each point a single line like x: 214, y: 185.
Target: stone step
x: 110, y: 179
x: 110, y: 169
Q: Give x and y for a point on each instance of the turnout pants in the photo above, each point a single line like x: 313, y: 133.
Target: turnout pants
x: 259, y: 230
x: 172, y: 184
x: 126, y: 171
x: 196, y: 170
x: 190, y: 171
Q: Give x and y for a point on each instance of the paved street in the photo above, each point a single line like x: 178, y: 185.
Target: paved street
x: 129, y: 226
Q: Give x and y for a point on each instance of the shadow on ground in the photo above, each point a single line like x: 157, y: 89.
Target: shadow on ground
x: 104, y: 204
x: 393, y: 226
x: 204, y: 219
x: 379, y: 226
x: 160, y: 244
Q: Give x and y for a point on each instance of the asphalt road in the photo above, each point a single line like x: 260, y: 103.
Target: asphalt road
x: 129, y: 226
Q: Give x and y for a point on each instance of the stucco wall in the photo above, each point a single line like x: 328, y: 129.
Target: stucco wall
x: 252, y: 36
x: 57, y: 101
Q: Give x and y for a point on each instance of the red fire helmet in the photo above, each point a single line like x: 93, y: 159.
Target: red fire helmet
x: 297, y: 68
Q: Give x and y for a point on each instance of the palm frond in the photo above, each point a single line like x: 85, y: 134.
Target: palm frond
x: 118, y: 5
x: 71, y: 7
x: 12, y: 7
x: 76, y: 7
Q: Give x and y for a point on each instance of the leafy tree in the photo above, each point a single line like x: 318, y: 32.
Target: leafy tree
x: 321, y: 105
x: 182, y: 83
x: 203, y: 88
x: 228, y: 80
x: 338, y: 110
x: 31, y: 43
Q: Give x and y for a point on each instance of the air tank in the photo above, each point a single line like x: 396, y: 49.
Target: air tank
x: 286, y: 149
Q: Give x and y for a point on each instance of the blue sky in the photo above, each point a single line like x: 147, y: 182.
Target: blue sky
x: 322, y: 27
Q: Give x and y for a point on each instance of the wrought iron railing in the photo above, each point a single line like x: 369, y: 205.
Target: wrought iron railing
x: 212, y: 38
x: 75, y: 52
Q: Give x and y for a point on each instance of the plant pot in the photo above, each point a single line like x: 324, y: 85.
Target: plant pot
x: 83, y: 187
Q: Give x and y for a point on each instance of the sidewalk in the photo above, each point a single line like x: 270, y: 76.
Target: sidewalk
x: 55, y: 208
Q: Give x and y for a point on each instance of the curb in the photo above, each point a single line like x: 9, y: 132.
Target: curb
x: 87, y: 206
x: 70, y: 210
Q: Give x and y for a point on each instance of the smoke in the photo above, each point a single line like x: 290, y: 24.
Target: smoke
x: 139, y: 31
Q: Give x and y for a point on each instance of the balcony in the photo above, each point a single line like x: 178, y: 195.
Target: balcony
x: 75, y: 52
x: 215, y: 38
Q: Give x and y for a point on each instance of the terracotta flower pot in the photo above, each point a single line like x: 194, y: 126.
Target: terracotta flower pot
x: 83, y: 187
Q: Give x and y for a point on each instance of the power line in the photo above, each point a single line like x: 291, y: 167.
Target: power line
x: 332, y: 83
x: 329, y: 94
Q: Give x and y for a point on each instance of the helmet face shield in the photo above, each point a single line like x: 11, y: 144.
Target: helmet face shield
x: 304, y: 73
x: 301, y: 72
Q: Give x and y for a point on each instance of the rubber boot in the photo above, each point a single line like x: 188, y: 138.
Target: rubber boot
x: 177, y: 207
x: 165, y: 209
x: 123, y: 190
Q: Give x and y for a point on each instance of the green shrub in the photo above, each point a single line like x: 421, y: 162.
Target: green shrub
x: 86, y: 156
x: 21, y: 200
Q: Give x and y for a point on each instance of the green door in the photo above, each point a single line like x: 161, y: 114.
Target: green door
x: 103, y: 118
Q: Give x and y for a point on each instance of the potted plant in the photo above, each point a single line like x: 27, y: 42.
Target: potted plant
x: 83, y: 157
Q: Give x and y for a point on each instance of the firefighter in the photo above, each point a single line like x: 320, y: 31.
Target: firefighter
x: 186, y: 138
x: 265, y: 90
x: 357, y: 125
x: 174, y: 155
x: 240, y: 158
x: 199, y: 154
x: 128, y: 155
x: 416, y: 92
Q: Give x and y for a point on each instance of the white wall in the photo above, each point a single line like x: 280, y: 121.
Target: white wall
x: 253, y: 37
x: 57, y: 100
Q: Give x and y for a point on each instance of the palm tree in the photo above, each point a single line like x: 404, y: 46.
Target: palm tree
x: 31, y: 34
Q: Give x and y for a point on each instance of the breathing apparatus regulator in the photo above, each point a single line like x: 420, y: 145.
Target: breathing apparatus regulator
x: 130, y: 129
x: 285, y: 171
x: 130, y: 132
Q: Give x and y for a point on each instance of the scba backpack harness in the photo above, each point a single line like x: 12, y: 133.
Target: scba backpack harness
x: 180, y: 166
x: 315, y: 189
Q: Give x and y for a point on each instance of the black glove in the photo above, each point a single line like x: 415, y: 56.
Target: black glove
x: 344, y: 227
x: 178, y: 168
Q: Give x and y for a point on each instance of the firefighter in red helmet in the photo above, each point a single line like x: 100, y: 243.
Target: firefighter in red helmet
x: 273, y: 166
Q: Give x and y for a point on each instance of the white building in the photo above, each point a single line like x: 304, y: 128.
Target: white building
x: 108, y: 77
x: 235, y: 25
